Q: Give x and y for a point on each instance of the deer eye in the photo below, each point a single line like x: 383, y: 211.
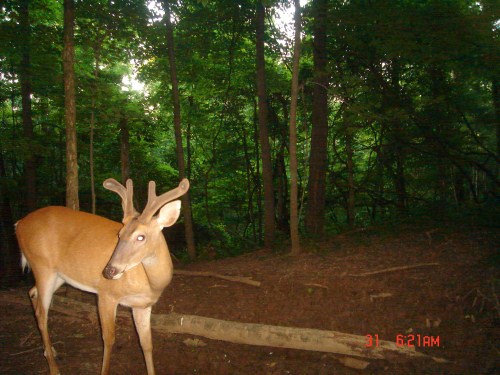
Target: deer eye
x: 141, y: 237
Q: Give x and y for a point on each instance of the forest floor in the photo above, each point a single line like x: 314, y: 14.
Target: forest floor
x: 454, y: 302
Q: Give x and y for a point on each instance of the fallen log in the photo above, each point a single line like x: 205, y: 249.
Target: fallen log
x: 278, y: 336
x: 248, y: 333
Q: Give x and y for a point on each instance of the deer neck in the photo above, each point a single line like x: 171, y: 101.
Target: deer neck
x: 158, y: 267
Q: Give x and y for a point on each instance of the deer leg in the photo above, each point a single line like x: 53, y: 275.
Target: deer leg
x: 142, y: 320
x: 41, y: 297
x: 107, y: 315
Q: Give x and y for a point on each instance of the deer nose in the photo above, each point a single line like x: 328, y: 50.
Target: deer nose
x: 109, y: 272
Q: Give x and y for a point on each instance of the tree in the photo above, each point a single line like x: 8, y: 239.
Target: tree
x: 124, y: 148
x: 315, y: 214
x: 294, y: 214
x: 186, y: 202
x: 267, y: 172
x: 70, y: 106
x: 9, y: 253
x: 26, y: 91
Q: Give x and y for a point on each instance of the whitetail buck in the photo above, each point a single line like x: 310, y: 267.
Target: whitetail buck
x: 127, y: 264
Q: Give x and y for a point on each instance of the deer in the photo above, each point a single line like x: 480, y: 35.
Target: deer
x: 124, y: 263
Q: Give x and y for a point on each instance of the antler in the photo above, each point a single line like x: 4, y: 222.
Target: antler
x: 127, y: 195
x: 155, y: 202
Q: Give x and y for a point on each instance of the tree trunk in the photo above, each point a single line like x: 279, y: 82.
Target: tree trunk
x: 315, y: 214
x: 294, y: 207
x: 267, y: 172
x: 70, y: 107
x: 124, y: 148
x: 92, y: 128
x: 9, y: 253
x: 186, y: 203
x: 91, y: 157
x: 192, y: 110
x: 280, y: 174
x: 257, y: 175
x: 25, y: 78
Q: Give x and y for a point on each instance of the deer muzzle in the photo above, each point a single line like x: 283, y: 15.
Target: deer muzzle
x: 111, y: 272
x: 120, y: 261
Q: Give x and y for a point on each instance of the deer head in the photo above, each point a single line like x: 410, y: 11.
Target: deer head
x: 141, y: 233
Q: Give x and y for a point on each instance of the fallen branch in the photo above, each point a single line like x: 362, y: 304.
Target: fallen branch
x: 392, y: 269
x: 254, y: 334
x: 238, y: 279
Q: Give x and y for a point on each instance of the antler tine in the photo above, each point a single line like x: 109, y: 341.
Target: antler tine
x: 130, y: 210
x: 156, y: 202
x: 127, y: 195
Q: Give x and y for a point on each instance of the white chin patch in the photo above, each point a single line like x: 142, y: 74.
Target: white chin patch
x: 117, y: 276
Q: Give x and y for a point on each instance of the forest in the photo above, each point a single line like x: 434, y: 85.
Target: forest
x: 325, y: 142
x: 397, y: 115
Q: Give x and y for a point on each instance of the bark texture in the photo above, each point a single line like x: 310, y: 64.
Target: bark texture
x: 30, y: 197
x: 186, y: 202
x: 294, y: 207
x: 267, y: 171
x: 315, y: 214
x: 70, y: 107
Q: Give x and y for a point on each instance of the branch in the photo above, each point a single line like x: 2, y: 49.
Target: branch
x: 237, y: 279
x: 392, y: 269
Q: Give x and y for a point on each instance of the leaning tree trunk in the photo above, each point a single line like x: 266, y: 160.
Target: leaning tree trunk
x: 70, y: 106
x: 25, y: 79
x: 267, y: 171
x: 294, y: 207
x: 186, y: 203
x: 315, y: 214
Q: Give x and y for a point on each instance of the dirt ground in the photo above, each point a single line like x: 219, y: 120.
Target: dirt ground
x: 455, y: 303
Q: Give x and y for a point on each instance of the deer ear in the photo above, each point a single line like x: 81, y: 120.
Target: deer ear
x: 169, y: 214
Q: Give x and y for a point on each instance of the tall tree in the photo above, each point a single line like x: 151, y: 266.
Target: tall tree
x: 70, y: 106
x: 97, y: 49
x: 294, y: 207
x: 267, y: 171
x: 9, y: 253
x: 315, y: 214
x: 124, y: 148
x: 186, y: 202
x: 26, y: 91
